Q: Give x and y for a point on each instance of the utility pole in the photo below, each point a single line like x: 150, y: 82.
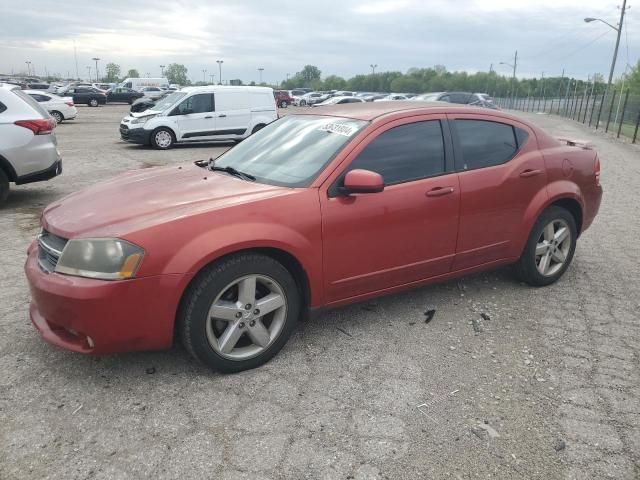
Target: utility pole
x: 260, y: 70
x: 162, y: 70
x: 75, y: 55
x: 513, y: 78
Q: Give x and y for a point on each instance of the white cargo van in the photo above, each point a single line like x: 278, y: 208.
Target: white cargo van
x: 197, y: 114
x: 139, y: 83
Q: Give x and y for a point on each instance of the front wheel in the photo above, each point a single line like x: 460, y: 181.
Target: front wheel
x: 549, y: 249
x: 57, y: 116
x: 93, y: 102
x: 238, y: 313
x: 162, y: 138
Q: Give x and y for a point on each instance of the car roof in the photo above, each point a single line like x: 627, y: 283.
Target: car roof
x: 230, y: 88
x: 369, y: 111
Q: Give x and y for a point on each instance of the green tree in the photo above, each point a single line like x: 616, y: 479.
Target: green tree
x: 333, y: 82
x: 634, y: 79
x: 112, y: 72
x: 176, y: 73
x: 310, y: 73
x: 133, y: 73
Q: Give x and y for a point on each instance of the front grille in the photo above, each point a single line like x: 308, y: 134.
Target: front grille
x: 50, y: 248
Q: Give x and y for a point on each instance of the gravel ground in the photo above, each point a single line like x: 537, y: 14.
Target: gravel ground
x: 546, y: 385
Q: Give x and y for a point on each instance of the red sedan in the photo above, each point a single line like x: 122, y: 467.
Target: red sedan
x: 313, y: 211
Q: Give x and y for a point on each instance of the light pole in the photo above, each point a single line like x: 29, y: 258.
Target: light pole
x: 89, y: 72
x: 211, y: 75
x: 28, y: 67
x: 162, y: 70
x: 618, y: 29
x: 95, y: 59
x: 204, y: 73
x: 219, y: 62
x: 513, y: 78
x: 373, y: 68
x: 260, y: 70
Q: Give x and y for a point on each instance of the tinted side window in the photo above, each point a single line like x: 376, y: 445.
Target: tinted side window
x: 2, y: 107
x: 200, y: 103
x: 485, y: 143
x: 405, y: 153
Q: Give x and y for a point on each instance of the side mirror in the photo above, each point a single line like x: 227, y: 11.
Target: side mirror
x: 362, y: 181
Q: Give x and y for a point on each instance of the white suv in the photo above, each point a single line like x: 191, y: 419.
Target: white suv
x: 196, y: 114
x: 28, y: 146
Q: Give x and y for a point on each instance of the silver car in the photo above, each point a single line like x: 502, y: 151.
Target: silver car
x: 28, y: 146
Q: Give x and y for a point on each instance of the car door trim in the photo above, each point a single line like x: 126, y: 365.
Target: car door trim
x: 213, y: 133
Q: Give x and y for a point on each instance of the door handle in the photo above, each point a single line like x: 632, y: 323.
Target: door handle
x: 439, y: 191
x: 221, y: 116
x: 530, y: 173
x: 208, y: 116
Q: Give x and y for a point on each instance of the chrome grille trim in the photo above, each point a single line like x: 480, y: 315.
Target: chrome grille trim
x: 49, y: 250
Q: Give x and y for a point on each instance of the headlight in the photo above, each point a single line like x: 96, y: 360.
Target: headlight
x: 142, y: 119
x: 103, y: 258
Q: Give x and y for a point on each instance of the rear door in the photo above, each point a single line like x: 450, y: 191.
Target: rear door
x: 233, y: 113
x: 196, y: 117
x: 500, y: 171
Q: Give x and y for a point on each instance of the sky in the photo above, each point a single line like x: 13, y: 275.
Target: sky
x: 342, y: 37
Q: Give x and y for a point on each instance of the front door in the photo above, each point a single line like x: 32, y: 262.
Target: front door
x: 196, y: 118
x: 500, y: 171
x: 403, y: 234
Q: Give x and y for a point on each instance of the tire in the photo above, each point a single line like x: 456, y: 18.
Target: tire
x: 4, y: 187
x: 229, y: 345
x: 257, y: 128
x: 57, y: 116
x: 160, y: 139
x: 93, y: 102
x: 284, y: 104
x: 550, y: 246
x: 303, y: 103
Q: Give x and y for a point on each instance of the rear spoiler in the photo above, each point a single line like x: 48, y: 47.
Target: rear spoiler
x: 584, y: 144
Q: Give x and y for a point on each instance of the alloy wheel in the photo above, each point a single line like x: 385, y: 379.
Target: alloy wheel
x: 553, y: 247
x: 163, y: 139
x: 247, y: 317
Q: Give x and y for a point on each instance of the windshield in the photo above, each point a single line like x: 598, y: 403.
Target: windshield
x: 293, y: 150
x: 168, y: 101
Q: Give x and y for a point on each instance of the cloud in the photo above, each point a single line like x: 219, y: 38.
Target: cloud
x: 339, y: 37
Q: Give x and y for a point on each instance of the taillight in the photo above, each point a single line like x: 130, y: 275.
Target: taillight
x: 597, y: 171
x: 41, y: 126
x: 69, y: 103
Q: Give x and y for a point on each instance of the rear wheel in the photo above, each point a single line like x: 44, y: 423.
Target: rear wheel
x: 162, y: 138
x: 550, y: 248
x: 4, y: 187
x: 303, y: 103
x: 284, y: 104
x: 93, y: 102
x: 257, y: 128
x: 239, y: 312
x: 57, y: 116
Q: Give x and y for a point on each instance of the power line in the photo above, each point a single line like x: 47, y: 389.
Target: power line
x: 584, y: 46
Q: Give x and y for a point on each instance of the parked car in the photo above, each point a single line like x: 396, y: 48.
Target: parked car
x: 463, y: 98
x: 338, y: 101
x: 103, y: 86
x: 65, y: 88
x: 372, y: 97
x: 196, y: 114
x: 283, y: 99
x: 140, y: 83
x: 28, y: 146
x: 123, y: 94
x: 391, y: 96
x: 59, y: 108
x: 142, y: 104
x: 312, y: 212
x: 154, y: 93
x: 86, y: 95
x: 309, y: 99
x: 38, y: 86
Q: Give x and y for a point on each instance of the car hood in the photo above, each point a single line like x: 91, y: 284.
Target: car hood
x: 143, y: 198
x: 146, y: 113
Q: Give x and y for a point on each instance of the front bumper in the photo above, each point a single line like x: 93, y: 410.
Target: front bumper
x: 102, y: 317
x: 135, y: 135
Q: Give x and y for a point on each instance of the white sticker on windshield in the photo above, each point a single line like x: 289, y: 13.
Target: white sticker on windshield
x: 339, y: 128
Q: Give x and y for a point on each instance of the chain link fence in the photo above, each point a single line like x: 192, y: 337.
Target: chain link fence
x: 617, y: 112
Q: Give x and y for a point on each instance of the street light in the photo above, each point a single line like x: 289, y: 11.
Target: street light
x: 513, y: 78
x: 211, y: 76
x: 95, y: 59
x: 618, y: 29
x: 89, y: 70
x: 219, y: 62
x: 28, y: 67
x: 260, y: 70
x: 204, y: 73
x: 373, y: 68
x: 162, y: 70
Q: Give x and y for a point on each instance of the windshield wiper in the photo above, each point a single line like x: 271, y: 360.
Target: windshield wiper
x: 234, y: 172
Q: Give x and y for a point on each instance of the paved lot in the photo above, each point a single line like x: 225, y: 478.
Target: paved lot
x: 547, y: 387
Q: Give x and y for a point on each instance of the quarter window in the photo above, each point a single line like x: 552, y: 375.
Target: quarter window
x: 485, y: 143
x: 405, y: 153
